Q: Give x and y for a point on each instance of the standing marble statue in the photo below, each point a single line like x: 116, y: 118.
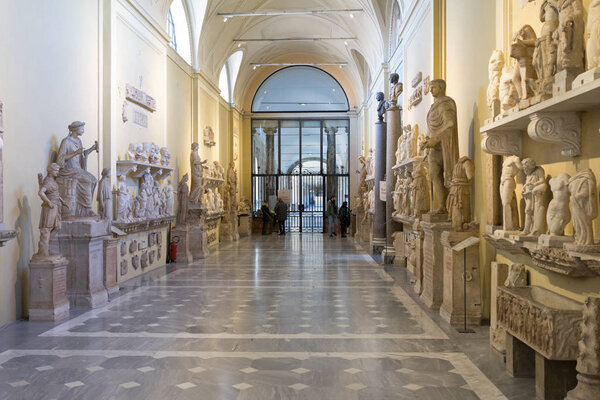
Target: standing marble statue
x: 183, y: 197
x: 442, y: 142
x: 522, y: 49
x: 534, y: 193
x: 105, y: 206
x: 50, y: 220
x: 420, y: 191
x: 507, y: 90
x: 495, y: 66
x: 544, y: 56
x: 459, y: 198
x: 370, y: 162
x: 165, y: 157
x: 396, y: 91
x: 406, y: 192
x: 169, y: 198
x: 559, y: 214
x: 510, y: 168
x: 584, y: 203
x: 219, y: 170
x: 570, y: 35
x: 197, y: 168
x: 380, y: 106
x: 124, y: 206
x: 76, y: 185
x: 593, y: 35
x: 397, y: 197
x: 399, y: 147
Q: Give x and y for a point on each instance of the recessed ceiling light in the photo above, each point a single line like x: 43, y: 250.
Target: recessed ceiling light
x: 239, y: 45
x: 345, y: 43
x: 351, y: 15
x: 225, y: 19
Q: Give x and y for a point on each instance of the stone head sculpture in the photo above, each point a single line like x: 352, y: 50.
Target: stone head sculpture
x: 438, y: 88
x: 77, y: 128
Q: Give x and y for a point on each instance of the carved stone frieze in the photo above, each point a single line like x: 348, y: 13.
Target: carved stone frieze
x: 503, y: 143
x: 560, y: 261
x: 562, y: 128
x: 543, y: 320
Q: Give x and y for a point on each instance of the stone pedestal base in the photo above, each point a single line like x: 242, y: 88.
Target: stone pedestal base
x: 82, y: 244
x: 453, y: 305
x: 520, y: 358
x: 433, y: 263
x: 110, y: 265
x: 399, y: 249
x: 553, y: 378
x: 554, y: 241
x: 198, y: 242
x: 497, y: 333
x: 180, y: 234
x: 47, y: 289
x: 378, y: 245
x: 389, y: 254
x: 585, y: 78
x: 563, y: 82
x: 588, y: 388
x: 245, y: 227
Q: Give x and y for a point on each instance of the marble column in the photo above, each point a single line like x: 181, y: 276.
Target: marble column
x: 394, y: 121
x: 379, y: 241
x: 331, y: 131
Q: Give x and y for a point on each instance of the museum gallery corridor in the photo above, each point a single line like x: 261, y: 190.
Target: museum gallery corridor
x: 294, y: 317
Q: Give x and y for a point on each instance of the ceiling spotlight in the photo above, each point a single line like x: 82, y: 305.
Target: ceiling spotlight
x: 239, y: 45
x: 346, y: 43
x: 351, y: 15
x: 225, y: 19
x: 254, y: 67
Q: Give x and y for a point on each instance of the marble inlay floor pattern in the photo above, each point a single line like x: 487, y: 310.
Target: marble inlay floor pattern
x: 300, y: 317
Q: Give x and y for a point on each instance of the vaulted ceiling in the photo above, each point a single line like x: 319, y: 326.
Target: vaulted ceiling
x: 216, y: 40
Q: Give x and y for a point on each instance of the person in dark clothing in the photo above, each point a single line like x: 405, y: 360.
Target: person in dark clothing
x: 344, y: 215
x: 281, y: 210
x: 332, y: 216
x: 266, y: 216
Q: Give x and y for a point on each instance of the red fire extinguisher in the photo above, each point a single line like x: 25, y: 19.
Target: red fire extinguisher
x: 173, y: 249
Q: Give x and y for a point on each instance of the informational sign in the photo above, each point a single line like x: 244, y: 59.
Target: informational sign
x: 284, y: 194
x: 468, y: 242
x: 382, y: 190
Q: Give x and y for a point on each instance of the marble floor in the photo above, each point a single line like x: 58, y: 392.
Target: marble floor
x: 294, y: 317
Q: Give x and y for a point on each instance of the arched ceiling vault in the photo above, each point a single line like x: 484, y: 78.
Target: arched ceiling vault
x: 216, y: 42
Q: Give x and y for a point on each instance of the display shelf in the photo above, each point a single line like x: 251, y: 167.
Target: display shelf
x: 556, y: 120
x: 144, y: 225
x: 137, y: 169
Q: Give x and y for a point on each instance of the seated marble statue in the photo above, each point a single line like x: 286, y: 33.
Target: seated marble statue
x: 75, y: 183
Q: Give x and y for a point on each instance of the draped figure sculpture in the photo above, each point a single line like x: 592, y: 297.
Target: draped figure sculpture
x: 570, y: 33
x: 183, y: 197
x: 442, y: 142
x: 76, y: 185
x: 197, y: 167
x: 534, y: 193
x: 420, y: 191
x: 510, y: 168
x: 105, y: 205
x: 559, y: 214
x: 546, y: 45
x: 584, y: 202
x: 495, y: 65
x: 50, y: 219
x: 593, y: 35
x: 459, y: 198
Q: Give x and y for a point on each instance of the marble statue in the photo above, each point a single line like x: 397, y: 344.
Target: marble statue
x: 183, y: 193
x: 510, y: 168
x: 507, y: 90
x: 397, y: 196
x: 157, y: 202
x: 593, y: 35
x: 459, y: 197
x: 197, y: 167
x: 75, y: 183
x: 522, y: 49
x: 209, y: 201
x: 131, y: 152
x: 406, y: 192
x: 570, y: 35
x: 442, y: 141
x: 495, y: 66
x: 380, y: 106
x: 420, y: 191
x: 584, y: 204
x: 244, y: 206
x: 154, y: 154
x: 517, y: 276
x: 219, y: 204
x: 370, y: 164
x: 147, y: 186
x: 141, y: 202
x: 534, y: 193
x: 50, y: 220
x: 169, y: 198
x: 559, y: 214
x: 140, y: 154
x: 219, y: 171
x: 165, y: 157
x: 371, y: 200
x: 544, y: 55
x: 124, y: 206
x: 105, y: 206
x: 395, y: 92
x: 399, y: 147
x: 421, y: 151
x: 411, y: 134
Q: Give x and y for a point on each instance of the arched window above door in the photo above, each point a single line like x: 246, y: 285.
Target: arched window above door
x: 300, y: 89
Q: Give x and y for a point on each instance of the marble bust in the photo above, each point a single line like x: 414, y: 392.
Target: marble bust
x: 381, y: 106
x: 76, y: 184
x: 396, y: 91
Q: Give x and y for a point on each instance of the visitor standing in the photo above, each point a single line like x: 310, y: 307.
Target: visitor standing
x: 344, y: 214
x: 332, y: 216
x: 266, y: 216
x: 281, y: 209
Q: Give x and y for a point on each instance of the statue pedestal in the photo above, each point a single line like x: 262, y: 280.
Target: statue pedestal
x: 453, y: 305
x: 497, y: 333
x: 245, y: 227
x: 47, y: 289
x: 554, y: 241
x: 432, y: 286
x: 181, y: 235
x: 82, y: 244
x: 111, y: 257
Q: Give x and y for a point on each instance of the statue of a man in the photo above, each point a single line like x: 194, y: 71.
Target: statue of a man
x: 76, y: 185
x: 534, y: 191
x: 381, y: 106
x: 105, y: 206
x: 197, y: 168
x: 510, y: 168
x: 442, y: 142
x: 50, y: 220
x: 396, y: 91
x: 183, y: 193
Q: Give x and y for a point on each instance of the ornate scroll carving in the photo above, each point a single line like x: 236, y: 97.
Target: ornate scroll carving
x: 562, y: 128
x: 502, y: 143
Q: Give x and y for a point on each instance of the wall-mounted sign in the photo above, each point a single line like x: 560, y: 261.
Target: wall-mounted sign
x: 417, y: 79
x: 140, y: 98
x: 139, y: 118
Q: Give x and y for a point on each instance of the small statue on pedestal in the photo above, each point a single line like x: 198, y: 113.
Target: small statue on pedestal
x: 197, y: 167
x: 584, y: 202
x: 522, y: 50
x: 559, y: 214
x: 510, y: 168
x: 534, y: 193
x: 459, y: 198
x: 105, y: 206
x: 420, y: 191
x: 50, y: 220
x: 124, y: 206
x: 495, y: 66
x: 183, y: 193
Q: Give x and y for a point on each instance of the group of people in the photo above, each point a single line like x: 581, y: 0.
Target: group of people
x: 333, y: 214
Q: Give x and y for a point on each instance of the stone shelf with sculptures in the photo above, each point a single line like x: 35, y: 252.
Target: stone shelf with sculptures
x: 542, y: 237
x: 547, y: 86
